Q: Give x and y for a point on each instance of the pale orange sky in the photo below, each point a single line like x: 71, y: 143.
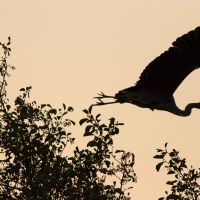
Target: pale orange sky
x: 69, y: 51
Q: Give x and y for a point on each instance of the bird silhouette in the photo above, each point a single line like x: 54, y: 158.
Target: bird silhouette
x: 161, y: 78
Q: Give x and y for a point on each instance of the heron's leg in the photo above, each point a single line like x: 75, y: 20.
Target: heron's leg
x: 100, y: 103
x: 102, y: 95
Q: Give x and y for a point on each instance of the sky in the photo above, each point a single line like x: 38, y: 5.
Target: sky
x: 69, y: 51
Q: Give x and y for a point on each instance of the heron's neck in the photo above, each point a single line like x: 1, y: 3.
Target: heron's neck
x: 172, y: 107
x: 186, y: 112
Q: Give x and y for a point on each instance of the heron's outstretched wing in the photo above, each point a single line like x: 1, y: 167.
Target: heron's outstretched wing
x: 164, y: 74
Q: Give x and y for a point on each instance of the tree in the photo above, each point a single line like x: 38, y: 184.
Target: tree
x: 32, y: 140
x: 185, y: 185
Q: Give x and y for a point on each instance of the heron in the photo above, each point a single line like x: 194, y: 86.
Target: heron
x: 160, y: 79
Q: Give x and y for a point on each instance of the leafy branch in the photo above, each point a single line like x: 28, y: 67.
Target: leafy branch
x: 185, y: 185
x: 32, y: 140
x: 102, y: 144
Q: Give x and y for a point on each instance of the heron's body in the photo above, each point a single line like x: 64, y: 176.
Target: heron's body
x: 162, y: 76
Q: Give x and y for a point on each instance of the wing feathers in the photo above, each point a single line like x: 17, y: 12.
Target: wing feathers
x: 164, y: 74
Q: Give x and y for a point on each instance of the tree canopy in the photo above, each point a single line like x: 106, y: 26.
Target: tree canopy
x: 33, y: 166
x: 32, y: 140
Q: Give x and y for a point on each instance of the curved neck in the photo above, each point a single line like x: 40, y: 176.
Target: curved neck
x: 187, y: 111
x: 172, y: 108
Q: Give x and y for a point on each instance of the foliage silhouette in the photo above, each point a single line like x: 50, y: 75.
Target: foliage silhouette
x: 185, y: 185
x: 32, y: 140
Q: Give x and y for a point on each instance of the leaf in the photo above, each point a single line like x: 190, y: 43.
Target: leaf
x: 159, y: 150
x: 171, y: 172
x: 88, y: 128
x: 106, y: 129
x: 176, y: 160
x: 174, y: 197
x: 110, y: 141
x: 158, y: 166
x: 88, y: 131
x: 107, y: 162
x: 64, y: 106
x: 69, y: 134
x: 183, y: 165
x: 172, y: 154
x: 43, y: 105
x: 92, y: 143
x: 161, y: 198
x: 54, y: 111
x: 159, y: 156
x: 118, y: 190
x: 164, y: 153
x: 171, y: 182
x: 165, y: 144
x: 87, y: 134
x: 98, y: 116
x: 28, y: 88
x: 106, y: 137
x: 174, y: 150
x: 116, y: 130
x: 112, y: 120
x: 77, y: 149
x: 107, y: 187
x: 73, y: 122
x: 64, y: 113
x: 8, y: 107
x: 58, y: 117
x: 70, y: 109
x: 85, y: 111
x: 83, y: 121
x: 22, y: 89
x: 90, y: 109
x: 63, y: 133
